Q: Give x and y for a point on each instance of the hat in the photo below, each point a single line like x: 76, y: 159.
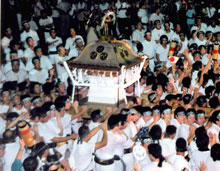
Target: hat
x: 47, y: 107
x: 181, y: 145
x: 147, y: 32
x: 200, y: 113
x: 156, y: 22
x: 193, y: 46
x: 196, y: 53
x: 59, y: 47
x: 133, y: 111
x: 125, y: 111
x: 37, y: 48
x: 78, y: 40
x: 147, y: 111
x: 13, y: 52
x: 202, y: 47
x: 156, y: 109
x: 52, y: 31
x: 190, y: 111
x: 35, y: 59
x: 11, y: 116
x: 36, y: 99
x: 25, y: 98
x: 179, y: 111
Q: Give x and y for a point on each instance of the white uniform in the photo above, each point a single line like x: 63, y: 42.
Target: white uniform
x: 52, y: 49
x: 84, y: 161
x: 197, y: 157
x: 142, y: 13
x: 91, y: 126
x: 155, y: 17
x: 107, y: 152
x: 44, y: 63
x: 7, y: 67
x: 183, y: 131
x: 163, y: 53
x: 153, y: 166
x: 212, y: 165
x: 11, y: 151
x: 138, y: 35
x: 149, y: 49
x: 168, y: 147
x: 177, y: 125
x: 178, y: 162
x: 38, y: 76
x: 29, y: 54
x: 157, y: 33
x: 20, y: 77
x: 32, y: 34
x: 70, y: 42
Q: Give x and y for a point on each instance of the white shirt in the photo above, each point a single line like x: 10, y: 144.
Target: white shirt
x: 104, y: 6
x: 29, y: 54
x: 121, y: 13
x: 20, y: 77
x: 38, y: 76
x: 155, y: 17
x: 149, y: 48
x: 91, y: 126
x: 7, y: 67
x: 32, y: 34
x: 2, y: 78
x: 216, y: 128
x: 153, y: 166
x: 53, y: 47
x: 2, y: 126
x: 212, y: 165
x: 108, y: 151
x: 138, y: 35
x: 6, y: 41
x: 183, y: 131
x: 142, y: 13
x: 19, y: 51
x: 84, y: 160
x: 177, y: 125
x: 169, y: 35
x: 163, y: 53
x: 203, y: 28
x: 168, y: 146
x: 213, y: 29
x: 199, y: 42
x: 11, y: 151
x: 70, y: 42
x: 198, y: 157
x: 162, y: 124
x: 178, y: 162
x: 45, y: 63
x: 157, y: 33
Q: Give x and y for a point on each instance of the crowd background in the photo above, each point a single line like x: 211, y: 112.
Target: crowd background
x: 176, y: 118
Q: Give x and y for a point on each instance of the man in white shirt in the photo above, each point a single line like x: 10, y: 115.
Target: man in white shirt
x: 162, y: 50
x: 53, y: 41
x: 149, y: 49
x: 142, y: 14
x: 16, y: 74
x: 216, y: 123
x: 180, y: 116
x: 70, y: 42
x: 28, y: 33
x: 213, y: 162
x: 44, y: 60
x: 29, y: 51
x: 146, y: 119
x: 178, y: 160
x: 157, y: 32
x: 138, y: 34
x: 156, y: 16
x: 5, y: 42
x: 13, y: 56
x: 38, y: 74
x: 86, y: 149
x: 104, y: 157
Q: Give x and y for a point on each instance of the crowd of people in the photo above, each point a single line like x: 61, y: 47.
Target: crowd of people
x: 172, y: 116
